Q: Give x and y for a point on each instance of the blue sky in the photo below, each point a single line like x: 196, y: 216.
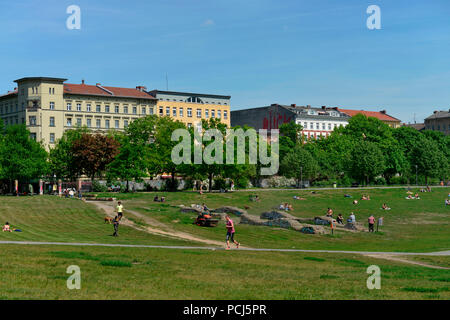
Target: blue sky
x: 258, y: 51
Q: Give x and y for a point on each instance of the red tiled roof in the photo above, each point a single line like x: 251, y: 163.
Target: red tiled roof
x: 376, y: 114
x: 9, y: 93
x: 86, y: 89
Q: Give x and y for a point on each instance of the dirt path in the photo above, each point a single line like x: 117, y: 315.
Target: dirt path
x: 392, y: 258
x: 155, y: 227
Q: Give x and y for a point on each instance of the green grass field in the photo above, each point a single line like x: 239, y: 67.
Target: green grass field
x: 39, y: 272
x: 131, y: 273
x: 410, y: 226
x: 50, y: 218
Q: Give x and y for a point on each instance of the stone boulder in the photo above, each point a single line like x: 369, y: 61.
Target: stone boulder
x: 229, y: 209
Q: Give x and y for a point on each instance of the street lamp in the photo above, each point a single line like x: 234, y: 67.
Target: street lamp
x: 416, y: 176
x: 301, y: 177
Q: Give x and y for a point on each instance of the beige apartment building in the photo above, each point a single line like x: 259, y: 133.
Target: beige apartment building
x: 48, y: 106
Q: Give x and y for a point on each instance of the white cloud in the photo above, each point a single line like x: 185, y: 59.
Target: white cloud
x: 208, y: 22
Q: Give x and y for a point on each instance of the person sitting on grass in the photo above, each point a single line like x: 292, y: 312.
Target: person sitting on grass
x: 329, y: 212
x: 205, y: 207
x: 6, y: 227
x: 417, y: 196
x: 163, y: 199
x: 447, y: 202
x: 282, y: 207
x: 340, y: 219
x: 355, y: 201
x: 156, y: 199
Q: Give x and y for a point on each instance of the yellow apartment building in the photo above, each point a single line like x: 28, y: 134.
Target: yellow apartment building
x: 191, y: 108
x: 49, y: 106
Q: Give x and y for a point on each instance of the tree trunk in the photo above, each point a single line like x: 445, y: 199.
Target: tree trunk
x: 173, y: 181
x: 210, y: 182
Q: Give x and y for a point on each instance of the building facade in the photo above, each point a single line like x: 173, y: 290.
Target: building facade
x: 316, y: 122
x: 191, y: 108
x: 439, y: 121
x: 49, y: 106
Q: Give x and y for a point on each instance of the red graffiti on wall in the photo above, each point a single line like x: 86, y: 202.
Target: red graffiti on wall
x: 274, y: 121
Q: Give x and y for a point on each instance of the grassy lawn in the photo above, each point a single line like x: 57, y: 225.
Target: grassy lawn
x: 410, y: 226
x: 50, y: 218
x: 39, y: 272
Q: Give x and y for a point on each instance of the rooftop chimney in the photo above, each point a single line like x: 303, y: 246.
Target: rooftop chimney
x: 308, y: 106
x: 383, y: 111
x: 98, y: 84
x: 293, y: 105
x: 82, y: 81
x: 435, y: 112
x: 324, y: 107
x: 141, y: 88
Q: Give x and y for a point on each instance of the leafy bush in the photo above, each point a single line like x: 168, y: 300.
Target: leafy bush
x: 219, y: 183
x: 241, y: 182
x: 399, y: 180
x: 98, y: 187
x: 171, y: 185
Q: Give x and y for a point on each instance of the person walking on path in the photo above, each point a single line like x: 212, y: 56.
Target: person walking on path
x: 116, y: 226
x: 230, y: 233
x: 371, y: 221
x: 119, y: 209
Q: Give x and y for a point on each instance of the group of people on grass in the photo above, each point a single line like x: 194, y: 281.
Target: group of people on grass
x: 286, y: 206
x: 411, y: 197
x: 159, y: 199
x: 352, y: 219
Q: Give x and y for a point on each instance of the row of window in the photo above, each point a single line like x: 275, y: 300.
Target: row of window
x: 316, y: 126
x: 9, y: 107
x: 12, y: 120
x: 98, y: 123
x: 438, y: 127
x: 195, y: 100
x: 106, y: 109
x: 180, y: 112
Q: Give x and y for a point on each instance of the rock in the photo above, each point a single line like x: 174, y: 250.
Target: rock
x: 229, y: 209
x: 185, y: 209
x: 324, y: 220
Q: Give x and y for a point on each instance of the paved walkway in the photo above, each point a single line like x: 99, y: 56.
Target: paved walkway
x: 440, y: 253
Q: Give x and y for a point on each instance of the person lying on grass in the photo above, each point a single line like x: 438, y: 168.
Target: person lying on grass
x: 385, y: 207
x: 364, y: 197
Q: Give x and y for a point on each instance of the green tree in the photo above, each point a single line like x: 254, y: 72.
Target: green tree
x: 299, y: 164
x: 21, y: 158
x: 367, y: 161
x: 129, y: 163
x: 429, y: 159
x: 163, y: 145
x: 290, y: 136
x: 61, y: 159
